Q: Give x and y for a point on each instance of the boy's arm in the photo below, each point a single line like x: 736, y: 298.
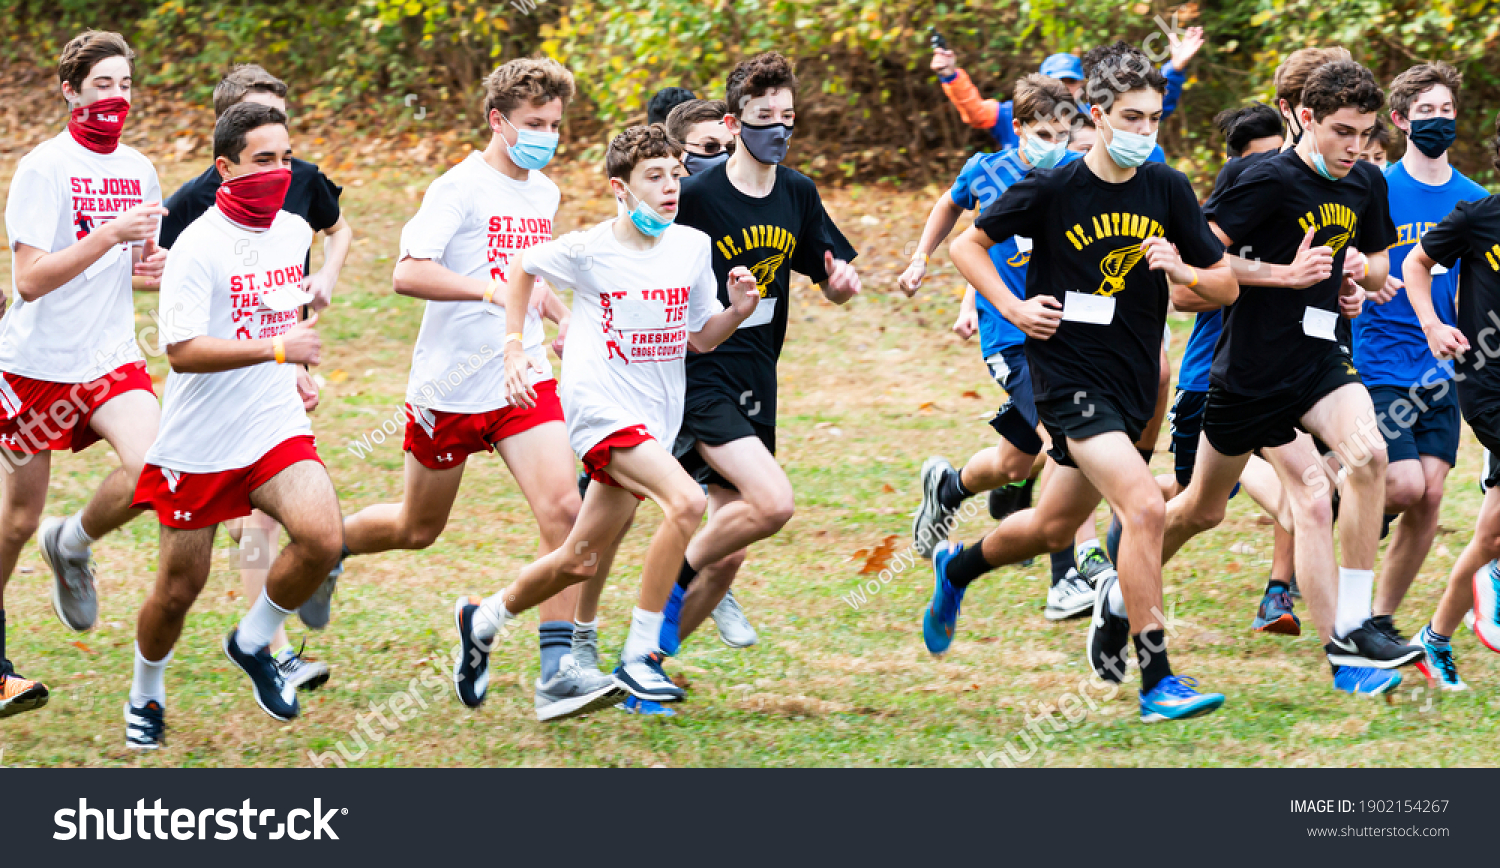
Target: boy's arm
x: 1311, y: 266
x: 337, y: 239
x: 1038, y: 316
x: 425, y: 279
x: 1444, y: 340
x: 38, y: 273
x: 967, y: 324
x: 517, y: 292
x: 207, y: 355
x: 944, y: 216
x: 979, y: 113
x: 743, y: 298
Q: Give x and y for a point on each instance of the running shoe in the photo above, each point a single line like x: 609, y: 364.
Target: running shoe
x: 1109, y: 634
x: 318, y: 609
x: 1438, y: 664
x: 1069, y: 598
x: 299, y: 671
x: 930, y: 527
x: 1365, y: 681
x: 1487, y: 605
x: 19, y: 694
x: 145, y: 726
x: 1367, y: 646
x: 631, y: 705
x: 471, y: 671
x: 574, y: 691
x: 1275, y: 615
x: 1012, y: 498
x: 734, y: 627
x: 1177, y: 698
x: 74, y: 596
x: 940, y: 618
x: 272, y: 692
x: 644, y: 679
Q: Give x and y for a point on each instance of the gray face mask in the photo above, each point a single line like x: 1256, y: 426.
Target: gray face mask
x: 697, y: 164
x: 767, y: 144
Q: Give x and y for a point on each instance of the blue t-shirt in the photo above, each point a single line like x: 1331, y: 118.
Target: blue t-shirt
x: 1389, y: 346
x: 1198, y: 357
x: 983, y: 179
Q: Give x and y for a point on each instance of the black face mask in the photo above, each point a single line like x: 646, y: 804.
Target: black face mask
x: 767, y: 144
x: 1434, y: 136
x: 697, y: 164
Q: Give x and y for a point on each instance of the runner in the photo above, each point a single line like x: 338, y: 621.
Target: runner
x: 699, y: 125
x: 454, y: 254
x: 81, y: 218
x: 644, y: 290
x: 1095, y: 363
x: 770, y: 219
x: 234, y: 434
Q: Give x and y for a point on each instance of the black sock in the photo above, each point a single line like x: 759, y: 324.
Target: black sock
x: 1062, y: 562
x: 1278, y: 585
x: 951, y: 491
x: 345, y: 554
x: 967, y: 566
x: 1146, y: 455
x: 1112, y: 538
x: 687, y: 575
x: 2, y: 634
x: 1151, y: 654
x: 1385, y: 527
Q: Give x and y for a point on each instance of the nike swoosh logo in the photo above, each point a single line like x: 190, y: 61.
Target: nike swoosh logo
x: 1345, y: 645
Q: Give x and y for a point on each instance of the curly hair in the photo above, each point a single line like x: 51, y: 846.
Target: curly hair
x: 636, y: 145
x: 757, y: 76
x: 1341, y: 84
x: 1118, y: 69
x: 1291, y: 75
x: 532, y: 80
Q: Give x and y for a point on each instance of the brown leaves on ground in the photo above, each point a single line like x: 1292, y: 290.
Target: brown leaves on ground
x: 878, y: 558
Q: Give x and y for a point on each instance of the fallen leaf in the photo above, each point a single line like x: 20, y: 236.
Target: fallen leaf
x: 970, y: 394
x: 887, y: 488
x: 338, y: 376
x: 880, y: 557
x: 82, y: 647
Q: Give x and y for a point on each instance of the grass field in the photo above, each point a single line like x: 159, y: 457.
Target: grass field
x: 868, y: 392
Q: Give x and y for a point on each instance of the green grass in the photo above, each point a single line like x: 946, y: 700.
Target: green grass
x: 868, y: 392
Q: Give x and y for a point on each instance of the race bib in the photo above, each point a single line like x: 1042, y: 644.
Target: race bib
x: 106, y: 261
x: 1319, y: 323
x: 285, y: 298
x: 764, y: 312
x: 635, y: 314
x: 1088, y: 308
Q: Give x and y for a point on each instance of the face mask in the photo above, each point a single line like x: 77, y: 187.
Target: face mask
x: 252, y: 200
x: 532, y: 150
x: 1434, y: 136
x: 1297, y: 134
x: 767, y: 144
x: 1129, y: 150
x: 646, y: 219
x: 697, y: 164
x: 1041, y: 154
x: 1320, y: 164
x: 97, y: 126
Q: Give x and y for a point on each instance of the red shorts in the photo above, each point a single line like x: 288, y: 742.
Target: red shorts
x: 188, y: 501
x: 596, y: 459
x: 38, y: 416
x: 440, y: 440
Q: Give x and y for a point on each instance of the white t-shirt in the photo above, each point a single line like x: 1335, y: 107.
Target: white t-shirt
x: 215, y: 277
x: 85, y: 328
x: 472, y: 221
x: 632, y: 311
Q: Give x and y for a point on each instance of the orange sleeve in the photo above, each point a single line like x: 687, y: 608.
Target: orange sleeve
x: 981, y: 114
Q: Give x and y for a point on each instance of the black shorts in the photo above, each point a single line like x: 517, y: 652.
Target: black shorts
x: 714, y: 420
x: 1082, y: 418
x: 1236, y: 424
x: 1486, y: 428
x: 1411, y: 431
x: 1186, y: 420
x: 1016, y: 419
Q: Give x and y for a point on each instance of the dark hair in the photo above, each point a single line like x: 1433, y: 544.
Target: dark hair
x: 84, y: 51
x: 245, y: 79
x: 1341, y: 84
x: 689, y: 114
x: 1118, y: 69
x: 1291, y: 75
x: 533, y: 80
x: 1381, y: 135
x: 1418, y: 80
x: 1241, y: 126
x: 236, y: 123
x: 1494, y: 144
x: 1038, y: 97
x: 664, y: 101
x: 636, y: 145
x: 755, y: 77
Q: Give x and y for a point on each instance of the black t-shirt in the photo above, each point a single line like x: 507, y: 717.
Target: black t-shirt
x: 773, y: 236
x: 310, y: 196
x: 1266, y: 345
x: 1086, y: 236
x: 1471, y: 232
x: 1230, y: 174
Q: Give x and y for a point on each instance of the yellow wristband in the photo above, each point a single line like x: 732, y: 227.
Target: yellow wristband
x: 517, y: 337
x: 924, y: 257
x: 279, y: 347
x: 489, y: 291
x: 1195, y: 277
x: 1367, y: 269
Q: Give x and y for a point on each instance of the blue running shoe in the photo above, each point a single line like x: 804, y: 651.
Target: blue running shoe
x: 272, y: 692
x: 1487, y: 605
x: 1276, y: 616
x: 631, y: 705
x: 1177, y: 698
x: 941, y: 617
x: 1438, y: 664
x: 671, y: 616
x: 1366, y: 680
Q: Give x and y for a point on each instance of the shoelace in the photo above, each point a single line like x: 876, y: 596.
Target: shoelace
x: 1282, y: 600
x: 1179, y: 685
x: 1444, y: 655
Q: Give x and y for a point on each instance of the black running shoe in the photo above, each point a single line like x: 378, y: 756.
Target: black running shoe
x: 1368, y: 646
x: 646, y: 680
x: 1109, y: 634
x: 272, y: 692
x: 1009, y: 499
x: 1387, y: 628
x: 146, y: 726
x: 471, y: 671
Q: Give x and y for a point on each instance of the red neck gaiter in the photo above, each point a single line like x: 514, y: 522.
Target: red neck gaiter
x: 252, y: 200
x: 97, y: 126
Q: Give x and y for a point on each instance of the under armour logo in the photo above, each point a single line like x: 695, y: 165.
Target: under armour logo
x: 10, y: 439
x: 179, y: 515
x: 445, y: 457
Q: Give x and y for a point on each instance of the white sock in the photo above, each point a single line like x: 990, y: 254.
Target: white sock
x: 492, y: 616
x: 1356, y: 587
x: 260, y: 624
x: 72, y: 540
x: 150, y: 680
x: 645, y: 635
x: 1082, y: 549
x: 585, y: 628
x: 1117, y: 601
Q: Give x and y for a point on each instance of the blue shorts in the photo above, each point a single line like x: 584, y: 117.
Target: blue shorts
x: 1418, y: 421
x: 1186, y: 420
x: 1016, y: 419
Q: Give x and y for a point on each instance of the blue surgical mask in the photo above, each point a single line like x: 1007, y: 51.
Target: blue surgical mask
x: 1041, y: 154
x: 532, y: 150
x: 1129, y: 150
x: 646, y: 219
x: 1319, y: 164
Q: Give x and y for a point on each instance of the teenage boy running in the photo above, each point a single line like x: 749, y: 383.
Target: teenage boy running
x: 644, y: 291
x: 1279, y: 365
x: 234, y: 434
x: 699, y: 126
x: 1471, y: 233
x: 1415, y: 405
x: 769, y: 219
x: 315, y: 199
x: 81, y: 218
x: 455, y: 253
x: 1106, y: 233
